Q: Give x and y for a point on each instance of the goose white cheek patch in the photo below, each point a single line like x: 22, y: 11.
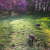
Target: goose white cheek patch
x: 30, y: 38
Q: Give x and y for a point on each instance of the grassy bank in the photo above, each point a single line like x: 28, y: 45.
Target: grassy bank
x: 14, y: 32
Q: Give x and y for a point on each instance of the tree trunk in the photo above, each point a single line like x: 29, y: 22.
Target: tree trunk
x: 10, y: 12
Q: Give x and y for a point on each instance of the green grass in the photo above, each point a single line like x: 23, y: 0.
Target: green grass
x: 14, y: 32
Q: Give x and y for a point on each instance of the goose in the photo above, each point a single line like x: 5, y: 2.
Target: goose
x: 38, y: 25
x: 31, y: 38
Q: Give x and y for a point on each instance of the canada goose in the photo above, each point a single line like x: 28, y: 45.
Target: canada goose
x: 31, y: 38
x: 38, y: 25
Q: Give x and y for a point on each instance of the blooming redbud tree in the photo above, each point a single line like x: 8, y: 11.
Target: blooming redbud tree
x: 23, y: 5
x: 10, y: 5
x: 6, y: 5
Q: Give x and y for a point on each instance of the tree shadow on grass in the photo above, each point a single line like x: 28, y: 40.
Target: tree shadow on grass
x: 38, y: 28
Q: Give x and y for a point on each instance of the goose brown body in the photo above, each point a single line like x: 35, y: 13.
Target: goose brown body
x: 31, y: 37
x: 38, y: 24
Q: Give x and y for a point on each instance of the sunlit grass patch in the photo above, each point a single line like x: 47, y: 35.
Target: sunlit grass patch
x: 47, y: 34
x: 15, y: 31
x: 47, y: 31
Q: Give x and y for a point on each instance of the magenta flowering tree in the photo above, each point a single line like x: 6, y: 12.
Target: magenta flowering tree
x: 6, y: 5
x: 9, y: 5
x: 20, y: 5
x: 23, y: 5
x: 2, y: 5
